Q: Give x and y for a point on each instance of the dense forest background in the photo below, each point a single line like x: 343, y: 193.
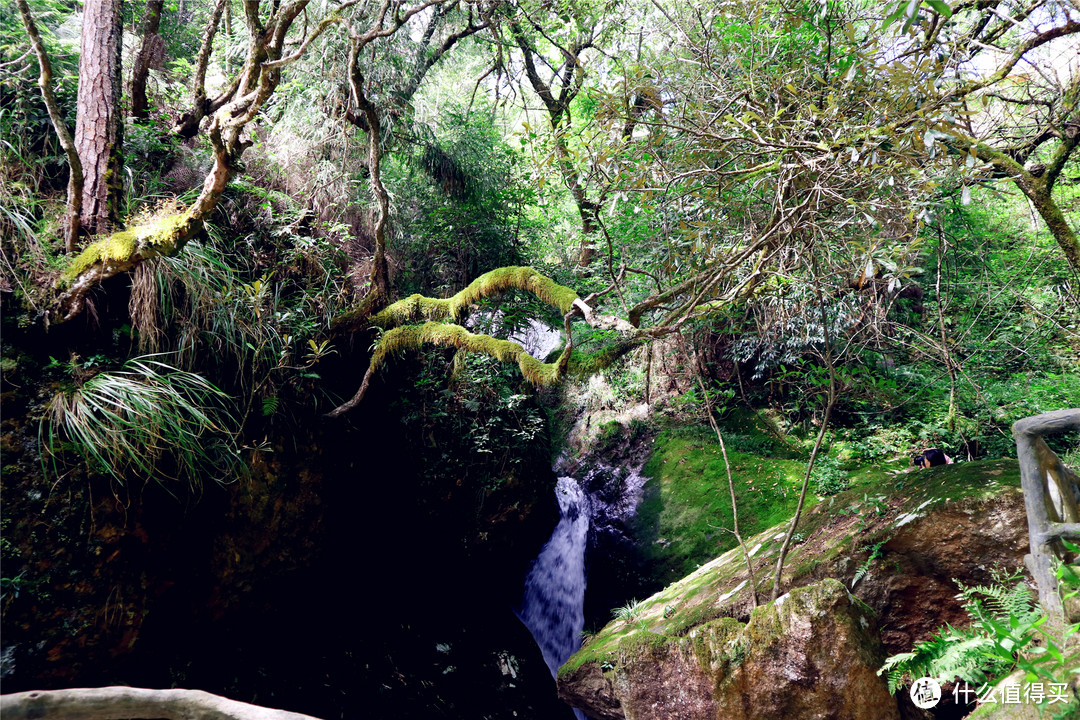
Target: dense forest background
x: 761, y: 181
x: 283, y: 245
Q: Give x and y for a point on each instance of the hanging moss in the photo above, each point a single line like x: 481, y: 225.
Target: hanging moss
x: 418, y: 308
x: 412, y: 337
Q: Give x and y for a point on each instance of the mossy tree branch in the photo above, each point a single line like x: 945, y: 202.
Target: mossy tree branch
x: 440, y: 315
x: 1038, y: 189
x: 418, y: 308
x: 238, y: 105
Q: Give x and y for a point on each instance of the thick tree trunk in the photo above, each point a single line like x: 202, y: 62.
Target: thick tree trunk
x: 99, y: 125
x: 115, y: 703
x: 152, y: 45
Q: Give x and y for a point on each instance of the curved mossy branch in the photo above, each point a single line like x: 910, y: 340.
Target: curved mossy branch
x: 439, y: 317
x: 1038, y: 189
x: 418, y: 308
x: 413, y: 337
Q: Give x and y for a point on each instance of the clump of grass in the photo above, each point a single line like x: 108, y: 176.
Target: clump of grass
x: 629, y: 612
x: 147, y: 420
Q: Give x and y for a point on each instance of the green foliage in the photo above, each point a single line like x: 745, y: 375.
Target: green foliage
x: 828, y: 477
x: 462, y: 198
x: 28, y: 144
x: 258, y: 331
x: 866, y: 565
x: 146, y: 420
x: 468, y: 417
x: 1006, y: 627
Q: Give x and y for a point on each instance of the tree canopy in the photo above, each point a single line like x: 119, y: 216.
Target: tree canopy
x: 718, y: 157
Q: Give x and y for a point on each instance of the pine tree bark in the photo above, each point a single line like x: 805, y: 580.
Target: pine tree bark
x: 151, y: 48
x: 99, y: 125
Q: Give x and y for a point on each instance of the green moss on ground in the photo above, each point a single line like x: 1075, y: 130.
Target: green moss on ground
x: 685, y: 516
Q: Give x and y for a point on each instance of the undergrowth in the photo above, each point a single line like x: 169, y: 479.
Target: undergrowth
x: 1008, y: 631
x: 146, y: 420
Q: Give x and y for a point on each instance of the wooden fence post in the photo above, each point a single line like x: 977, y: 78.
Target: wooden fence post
x: 1046, y: 524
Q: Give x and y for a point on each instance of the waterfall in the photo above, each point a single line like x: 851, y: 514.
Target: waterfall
x: 553, y: 606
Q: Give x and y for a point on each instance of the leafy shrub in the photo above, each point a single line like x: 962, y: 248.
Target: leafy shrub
x: 1006, y: 625
x: 828, y: 477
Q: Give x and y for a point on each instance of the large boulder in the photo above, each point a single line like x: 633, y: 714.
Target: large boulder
x: 812, y: 654
x: 902, y: 551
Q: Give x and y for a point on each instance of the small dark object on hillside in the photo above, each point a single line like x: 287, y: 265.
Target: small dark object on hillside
x: 931, y: 457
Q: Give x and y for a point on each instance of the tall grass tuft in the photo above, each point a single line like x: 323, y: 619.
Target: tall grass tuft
x: 146, y: 421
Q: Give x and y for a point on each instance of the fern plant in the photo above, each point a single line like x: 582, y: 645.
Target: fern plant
x: 1006, y: 621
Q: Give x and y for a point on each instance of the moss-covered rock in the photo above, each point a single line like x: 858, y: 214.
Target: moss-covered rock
x: 901, y: 546
x: 811, y: 654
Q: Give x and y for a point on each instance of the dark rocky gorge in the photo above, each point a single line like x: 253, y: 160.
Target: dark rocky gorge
x: 344, y: 578
x: 338, y: 579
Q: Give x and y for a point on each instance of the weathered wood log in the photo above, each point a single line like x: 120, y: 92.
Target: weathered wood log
x: 117, y: 703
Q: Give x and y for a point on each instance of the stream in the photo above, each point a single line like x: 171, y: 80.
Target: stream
x: 553, y: 607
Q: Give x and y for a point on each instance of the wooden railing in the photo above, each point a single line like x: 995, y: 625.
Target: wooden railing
x: 1051, y: 496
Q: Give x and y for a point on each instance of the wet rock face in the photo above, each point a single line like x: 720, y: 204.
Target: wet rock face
x: 814, y: 654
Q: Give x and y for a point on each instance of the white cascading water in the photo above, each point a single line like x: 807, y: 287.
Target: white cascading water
x: 553, y: 606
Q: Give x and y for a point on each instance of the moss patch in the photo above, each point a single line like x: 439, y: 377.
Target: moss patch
x: 842, y: 525
x: 685, y: 517
x: 161, y: 236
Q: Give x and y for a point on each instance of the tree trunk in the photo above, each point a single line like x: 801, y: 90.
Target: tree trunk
x: 99, y: 125
x: 152, y: 45
x: 75, y: 173
x: 1039, y: 189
